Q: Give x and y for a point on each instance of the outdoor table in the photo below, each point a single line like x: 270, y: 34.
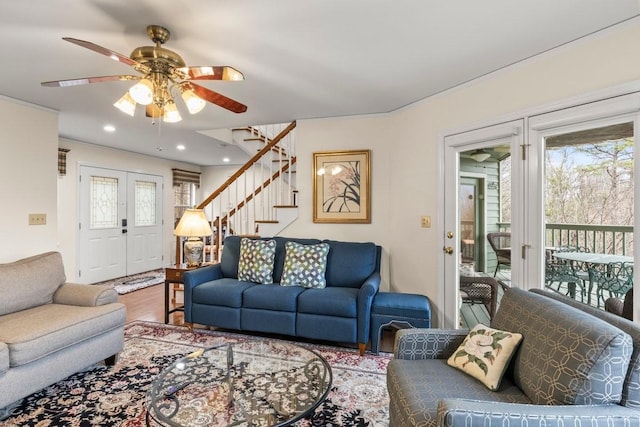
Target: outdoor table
x: 591, y: 259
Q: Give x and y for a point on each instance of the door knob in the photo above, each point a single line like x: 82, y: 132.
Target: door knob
x: 448, y: 250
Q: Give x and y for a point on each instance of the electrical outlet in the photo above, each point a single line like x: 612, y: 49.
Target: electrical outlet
x: 37, y: 219
x: 425, y: 221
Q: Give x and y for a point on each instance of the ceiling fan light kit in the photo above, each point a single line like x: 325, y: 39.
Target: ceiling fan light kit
x: 142, y: 92
x: 162, y: 71
x: 126, y: 104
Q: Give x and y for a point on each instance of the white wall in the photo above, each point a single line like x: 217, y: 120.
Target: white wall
x: 29, y: 146
x: 93, y: 155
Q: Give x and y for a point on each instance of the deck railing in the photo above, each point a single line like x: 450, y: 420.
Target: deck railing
x: 599, y: 238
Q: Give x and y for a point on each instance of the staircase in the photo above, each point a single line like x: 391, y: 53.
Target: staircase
x: 260, y: 198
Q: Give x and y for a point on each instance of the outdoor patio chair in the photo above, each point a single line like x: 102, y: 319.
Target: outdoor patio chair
x: 480, y: 290
x: 616, y: 278
x: 501, y: 244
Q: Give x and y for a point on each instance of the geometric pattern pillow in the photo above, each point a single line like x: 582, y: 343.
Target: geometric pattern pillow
x: 256, y: 260
x: 305, y: 265
x: 485, y: 353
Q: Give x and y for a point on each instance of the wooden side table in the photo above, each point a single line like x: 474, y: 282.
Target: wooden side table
x: 173, y: 275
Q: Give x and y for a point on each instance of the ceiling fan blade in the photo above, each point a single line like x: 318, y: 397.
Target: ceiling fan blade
x: 216, y: 98
x: 208, y: 72
x: 107, y: 52
x: 87, y: 80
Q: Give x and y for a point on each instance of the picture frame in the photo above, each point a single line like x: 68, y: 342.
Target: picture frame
x: 342, y: 187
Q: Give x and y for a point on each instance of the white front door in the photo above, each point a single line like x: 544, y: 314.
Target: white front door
x: 144, y: 223
x: 120, y: 230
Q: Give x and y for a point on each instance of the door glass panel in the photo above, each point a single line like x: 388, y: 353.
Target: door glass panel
x: 484, y: 202
x: 589, y: 210
x: 103, y: 203
x: 145, y: 203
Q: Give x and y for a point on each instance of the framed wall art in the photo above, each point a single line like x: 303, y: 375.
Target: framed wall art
x: 341, y: 187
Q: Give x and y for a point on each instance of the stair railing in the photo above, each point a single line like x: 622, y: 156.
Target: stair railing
x: 250, y: 194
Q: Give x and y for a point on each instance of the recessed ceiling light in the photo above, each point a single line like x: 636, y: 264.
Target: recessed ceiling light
x: 180, y: 147
x: 225, y: 159
x: 109, y: 128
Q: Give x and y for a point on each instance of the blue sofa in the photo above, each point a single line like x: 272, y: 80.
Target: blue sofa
x: 340, y: 312
x: 576, y: 366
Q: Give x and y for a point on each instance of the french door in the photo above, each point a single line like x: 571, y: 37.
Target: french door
x: 551, y: 169
x: 120, y: 229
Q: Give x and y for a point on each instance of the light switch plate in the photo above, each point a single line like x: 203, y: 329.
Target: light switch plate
x: 425, y: 221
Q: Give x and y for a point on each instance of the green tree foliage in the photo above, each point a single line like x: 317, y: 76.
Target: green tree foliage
x: 590, y: 183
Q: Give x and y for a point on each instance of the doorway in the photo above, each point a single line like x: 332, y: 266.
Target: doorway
x: 120, y: 229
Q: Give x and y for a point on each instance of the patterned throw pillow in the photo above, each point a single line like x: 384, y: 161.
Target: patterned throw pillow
x: 256, y: 260
x: 485, y: 354
x: 305, y: 265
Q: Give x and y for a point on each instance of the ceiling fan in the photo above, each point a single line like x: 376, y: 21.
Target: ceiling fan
x: 161, y: 71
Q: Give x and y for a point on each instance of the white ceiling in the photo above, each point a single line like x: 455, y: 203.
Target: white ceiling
x: 301, y: 58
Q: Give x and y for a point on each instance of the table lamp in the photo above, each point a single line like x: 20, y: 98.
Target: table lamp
x: 193, y: 225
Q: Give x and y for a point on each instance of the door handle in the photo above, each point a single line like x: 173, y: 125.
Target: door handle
x: 124, y: 231
x: 447, y: 250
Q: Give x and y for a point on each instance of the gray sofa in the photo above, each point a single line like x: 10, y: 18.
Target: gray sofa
x: 50, y: 329
x: 339, y: 312
x: 576, y: 365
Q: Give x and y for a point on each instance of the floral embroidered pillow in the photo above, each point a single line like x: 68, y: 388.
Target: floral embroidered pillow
x: 256, y: 260
x: 305, y: 265
x: 485, y: 354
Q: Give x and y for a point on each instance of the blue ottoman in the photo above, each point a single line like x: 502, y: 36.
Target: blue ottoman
x: 400, y: 311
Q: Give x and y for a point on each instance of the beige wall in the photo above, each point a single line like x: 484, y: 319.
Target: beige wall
x: 29, y: 146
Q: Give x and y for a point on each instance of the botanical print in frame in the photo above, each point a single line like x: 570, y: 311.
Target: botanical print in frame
x: 341, y: 187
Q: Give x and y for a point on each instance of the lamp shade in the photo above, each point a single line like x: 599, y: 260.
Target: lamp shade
x: 142, y: 92
x: 193, y: 223
x: 126, y: 104
x: 195, y: 104
x: 171, y: 113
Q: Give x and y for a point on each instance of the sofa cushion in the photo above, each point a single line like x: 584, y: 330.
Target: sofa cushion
x: 37, y: 332
x: 329, y: 301
x: 416, y: 387
x: 272, y: 297
x: 30, y: 282
x: 349, y: 264
x: 485, y: 353
x: 226, y: 292
x: 256, y: 260
x: 631, y: 388
x: 566, y: 356
x: 305, y: 265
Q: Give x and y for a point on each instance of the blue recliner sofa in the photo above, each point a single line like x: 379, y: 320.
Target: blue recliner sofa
x: 340, y: 312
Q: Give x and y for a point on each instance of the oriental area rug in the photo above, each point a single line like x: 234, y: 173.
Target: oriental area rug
x: 116, y: 396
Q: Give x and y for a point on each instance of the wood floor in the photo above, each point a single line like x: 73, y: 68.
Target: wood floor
x: 148, y: 304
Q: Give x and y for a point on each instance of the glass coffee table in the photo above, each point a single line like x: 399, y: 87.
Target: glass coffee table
x: 251, y: 383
